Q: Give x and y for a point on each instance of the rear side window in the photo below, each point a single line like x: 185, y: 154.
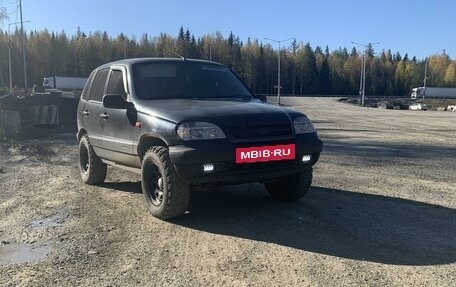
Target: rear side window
x: 97, y: 90
x: 116, y: 84
x: 85, y: 91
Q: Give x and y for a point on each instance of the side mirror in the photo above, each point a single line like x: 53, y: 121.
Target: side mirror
x: 261, y: 98
x: 114, y: 102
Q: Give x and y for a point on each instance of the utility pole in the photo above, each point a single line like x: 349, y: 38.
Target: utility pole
x: 362, y: 88
x: 278, y: 68
x: 125, y: 48
x: 10, y: 45
x: 425, y: 76
x: 364, y: 78
x: 210, y: 50
x: 23, y: 46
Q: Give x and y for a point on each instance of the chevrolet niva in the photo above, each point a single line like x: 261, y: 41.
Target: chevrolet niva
x: 187, y: 124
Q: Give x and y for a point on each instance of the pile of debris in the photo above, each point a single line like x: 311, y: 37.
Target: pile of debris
x: 20, y: 110
x: 381, y: 102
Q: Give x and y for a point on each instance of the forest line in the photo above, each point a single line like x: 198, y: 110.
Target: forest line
x: 304, y: 69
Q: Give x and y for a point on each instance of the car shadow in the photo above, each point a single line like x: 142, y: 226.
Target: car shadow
x: 125, y: 186
x: 332, y: 222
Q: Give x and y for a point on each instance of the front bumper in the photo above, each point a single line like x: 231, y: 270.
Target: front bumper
x: 189, y: 159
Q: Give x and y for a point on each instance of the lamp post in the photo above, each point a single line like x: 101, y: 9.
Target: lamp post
x: 278, y: 68
x: 362, y: 82
x: 10, y: 43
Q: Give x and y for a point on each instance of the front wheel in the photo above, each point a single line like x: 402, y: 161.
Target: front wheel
x: 167, y: 196
x: 292, y: 187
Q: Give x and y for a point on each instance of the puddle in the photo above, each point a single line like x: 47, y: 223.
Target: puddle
x: 55, y: 220
x: 22, y: 253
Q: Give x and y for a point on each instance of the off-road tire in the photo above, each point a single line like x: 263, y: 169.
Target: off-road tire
x: 290, y: 188
x: 167, y: 195
x: 91, y: 169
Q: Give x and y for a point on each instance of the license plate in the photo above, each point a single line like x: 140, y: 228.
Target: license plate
x: 265, y: 153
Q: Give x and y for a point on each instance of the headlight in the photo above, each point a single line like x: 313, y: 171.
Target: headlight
x: 303, y: 125
x: 199, y: 131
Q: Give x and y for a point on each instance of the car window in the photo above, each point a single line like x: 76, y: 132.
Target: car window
x: 86, y: 90
x: 99, y: 82
x: 116, y: 84
x: 167, y: 80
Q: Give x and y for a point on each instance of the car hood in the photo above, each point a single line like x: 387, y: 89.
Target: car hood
x: 220, y: 112
x: 240, y: 120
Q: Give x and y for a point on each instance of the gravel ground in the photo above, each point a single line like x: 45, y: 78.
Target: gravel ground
x: 381, y: 212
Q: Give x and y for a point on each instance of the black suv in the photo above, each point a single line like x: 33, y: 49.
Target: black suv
x: 190, y: 124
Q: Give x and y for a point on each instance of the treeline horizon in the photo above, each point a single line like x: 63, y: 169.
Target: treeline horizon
x: 304, y: 69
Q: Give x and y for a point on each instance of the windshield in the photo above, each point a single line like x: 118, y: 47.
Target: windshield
x: 167, y: 80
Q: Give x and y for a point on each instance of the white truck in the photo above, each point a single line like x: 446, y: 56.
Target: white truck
x: 433, y: 92
x: 64, y: 83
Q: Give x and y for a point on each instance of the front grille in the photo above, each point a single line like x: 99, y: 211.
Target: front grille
x: 269, y: 131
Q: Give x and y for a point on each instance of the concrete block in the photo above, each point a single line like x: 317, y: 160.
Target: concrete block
x: 10, y: 124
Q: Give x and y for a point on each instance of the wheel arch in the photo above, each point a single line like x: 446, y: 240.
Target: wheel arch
x: 80, y: 133
x: 147, y: 141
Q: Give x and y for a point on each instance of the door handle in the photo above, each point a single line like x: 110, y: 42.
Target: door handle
x: 85, y: 113
x: 105, y: 116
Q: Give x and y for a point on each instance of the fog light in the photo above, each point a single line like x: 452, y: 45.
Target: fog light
x: 208, y: 167
x: 306, y: 158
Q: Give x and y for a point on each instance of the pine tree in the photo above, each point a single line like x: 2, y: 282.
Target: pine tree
x: 370, y: 51
x: 309, y: 70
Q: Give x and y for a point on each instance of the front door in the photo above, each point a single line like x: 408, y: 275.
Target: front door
x: 117, y: 129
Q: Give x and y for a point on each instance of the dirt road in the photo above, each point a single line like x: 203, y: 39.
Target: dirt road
x: 381, y: 212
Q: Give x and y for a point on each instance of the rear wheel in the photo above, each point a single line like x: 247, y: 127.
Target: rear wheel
x: 167, y: 196
x: 91, y: 169
x: 292, y: 187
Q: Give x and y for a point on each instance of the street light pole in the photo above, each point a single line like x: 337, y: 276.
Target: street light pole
x: 361, y: 76
x: 362, y: 88
x: 278, y: 79
x: 278, y: 68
